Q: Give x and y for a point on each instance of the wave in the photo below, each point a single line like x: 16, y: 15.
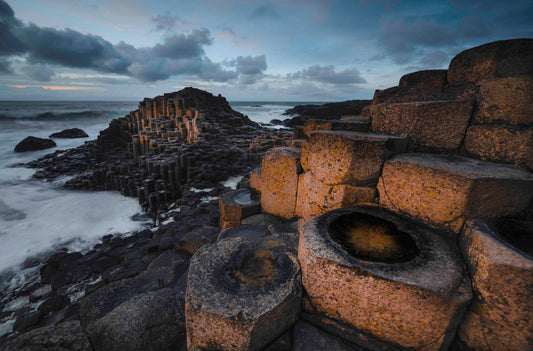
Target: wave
x: 61, y: 115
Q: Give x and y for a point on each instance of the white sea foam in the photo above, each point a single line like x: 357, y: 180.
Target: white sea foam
x: 232, y: 182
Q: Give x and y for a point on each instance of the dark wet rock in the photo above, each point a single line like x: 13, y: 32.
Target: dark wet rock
x: 150, y: 321
x: 67, y: 336
x: 103, y: 263
x: 53, y: 303
x: 27, y: 320
x: 69, y: 133
x: 283, y: 343
x: 332, y: 110
x: 247, y: 231
x: 32, y: 143
x: 276, y: 122
x: 309, y: 337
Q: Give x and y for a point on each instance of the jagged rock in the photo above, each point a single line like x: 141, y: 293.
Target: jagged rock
x: 70, y: 133
x: 66, y: 336
x: 32, y: 143
x: 241, y: 295
x: 382, y: 278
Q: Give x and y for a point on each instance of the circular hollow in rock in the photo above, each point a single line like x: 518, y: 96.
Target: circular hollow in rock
x: 241, y: 294
x: 372, y: 239
x: 247, y: 231
x: 402, y: 285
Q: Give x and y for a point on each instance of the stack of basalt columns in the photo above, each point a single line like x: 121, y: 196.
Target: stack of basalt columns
x: 447, y: 149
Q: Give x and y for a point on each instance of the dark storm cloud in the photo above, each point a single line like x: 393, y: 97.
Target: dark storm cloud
x: 251, y: 65
x: 472, y: 27
x: 183, y: 46
x: 178, y: 54
x: 5, y: 66
x: 164, y: 23
x: 327, y: 74
x: 435, y: 59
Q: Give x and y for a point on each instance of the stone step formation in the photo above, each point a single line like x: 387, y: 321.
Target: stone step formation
x: 406, y: 228
x: 415, y: 219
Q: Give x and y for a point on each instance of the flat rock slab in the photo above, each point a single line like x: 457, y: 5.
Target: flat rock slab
x: 313, y: 125
x: 316, y: 198
x: 433, y: 124
x: 246, y: 231
x: 500, y: 256
x: 70, y: 133
x: 32, y: 143
x: 433, y: 79
x: 241, y: 295
x: 504, y: 58
x: 444, y: 191
x: 279, y: 175
x: 501, y: 143
x: 505, y: 101
x: 339, y: 157
x: 413, y: 302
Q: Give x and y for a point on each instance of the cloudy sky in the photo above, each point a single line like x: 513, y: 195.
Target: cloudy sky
x: 293, y: 50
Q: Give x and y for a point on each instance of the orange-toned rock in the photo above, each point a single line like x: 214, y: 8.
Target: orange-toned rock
x: 338, y: 157
x: 506, y: 101
x: 279, y: 175
x: 313, y: 125
x: 241, y: 295
x: 433, y: 79
x: 365, y: 112
x: 504, y: 58
x: 294, y: 143
x: 501, y: 143
x: 500, y: 256
x: 395, y: 285
x: 444, y: 190
x: 316, y: 198
x: 433, y: 124
x: 255, y: 179
x: 235, y: 205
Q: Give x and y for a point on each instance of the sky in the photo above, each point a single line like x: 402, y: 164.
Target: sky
x: 260, y: 50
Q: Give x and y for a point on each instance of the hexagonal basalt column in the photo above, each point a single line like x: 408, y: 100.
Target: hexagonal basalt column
x: 235, y: 205
x: 444, y: 191
x: 499, y: 253
x: 339, y: 157
x: 241, y: 295
x: 392, y: 284
x: 279, y: 175
x: 313, y: 125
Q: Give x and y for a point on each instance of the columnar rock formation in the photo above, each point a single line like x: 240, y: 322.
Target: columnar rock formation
x: 430, y: 160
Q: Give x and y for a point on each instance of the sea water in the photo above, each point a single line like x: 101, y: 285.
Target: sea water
x: 38, y: 217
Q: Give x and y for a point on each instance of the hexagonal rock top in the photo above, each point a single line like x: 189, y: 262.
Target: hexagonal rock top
x: 383, y: 277
x: 444, y: 191
x: 500, y: 255
x: 241, y: 295
x: 235, y: 205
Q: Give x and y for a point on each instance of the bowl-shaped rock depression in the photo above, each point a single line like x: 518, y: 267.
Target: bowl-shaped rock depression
x: 390, y: 282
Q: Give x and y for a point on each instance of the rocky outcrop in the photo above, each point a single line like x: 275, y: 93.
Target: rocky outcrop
x: 70, y: 133
x: 32, y: 143
x: 334, y: 110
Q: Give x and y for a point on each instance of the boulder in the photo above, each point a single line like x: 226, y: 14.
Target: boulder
x: 241, y: 295
x: 505, y: 101
x: 383, y: 278
x: 499, y: 253
x: 32, y: 143
x: 444, y: 191
x: 432, y: 124
x: 338, y: 157
x: 255, y: 179
x: 501, y: 143
x: 432, y: 79
x: 70, y: 133
x: 279, y: 175
x: 499, y: 59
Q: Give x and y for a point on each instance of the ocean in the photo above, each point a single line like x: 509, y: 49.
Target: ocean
x: 38, y: 217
